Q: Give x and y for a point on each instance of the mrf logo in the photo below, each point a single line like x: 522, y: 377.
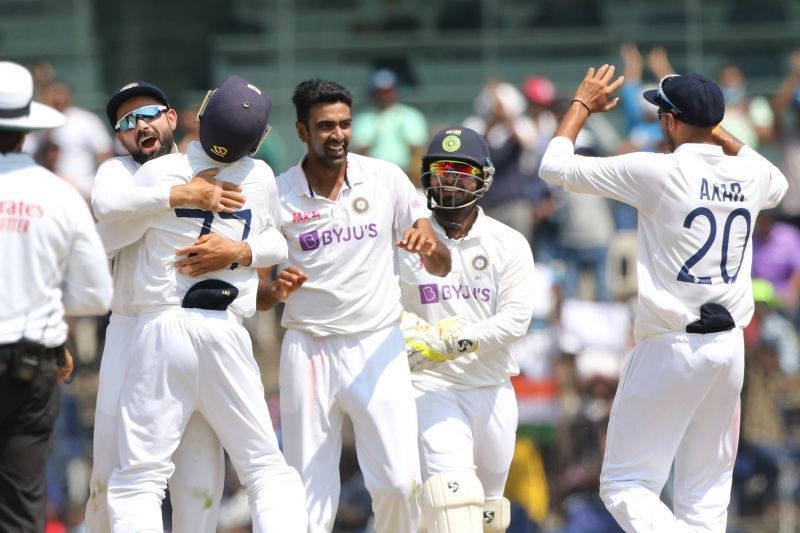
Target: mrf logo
x: 304, y: 216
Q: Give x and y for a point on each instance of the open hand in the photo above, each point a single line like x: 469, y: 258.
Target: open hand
x: 596, y: 89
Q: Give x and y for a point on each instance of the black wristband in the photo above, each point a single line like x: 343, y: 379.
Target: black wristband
x: 584, y: 105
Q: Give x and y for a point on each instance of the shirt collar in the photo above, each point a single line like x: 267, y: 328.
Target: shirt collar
x: 353, y: 176
x: 700, y: 148
x: 16, y: 160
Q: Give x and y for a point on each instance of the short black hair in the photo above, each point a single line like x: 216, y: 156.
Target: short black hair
x: 309, y: 93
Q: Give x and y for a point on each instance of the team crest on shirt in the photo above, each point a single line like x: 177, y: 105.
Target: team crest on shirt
x: 479, y: 263
x: 360, y: 205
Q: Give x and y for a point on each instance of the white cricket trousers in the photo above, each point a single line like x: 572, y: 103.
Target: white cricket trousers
x: 366, y: 377
x: 678, y: 399
x: 473, y: 429
x: 187, y: 361
x: 195, y: 486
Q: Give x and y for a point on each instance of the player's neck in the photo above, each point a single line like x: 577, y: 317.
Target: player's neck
x: 458, y: 222
x: 324, y: 180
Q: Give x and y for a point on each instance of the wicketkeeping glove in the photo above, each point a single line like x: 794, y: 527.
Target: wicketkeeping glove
x: 428, y: 344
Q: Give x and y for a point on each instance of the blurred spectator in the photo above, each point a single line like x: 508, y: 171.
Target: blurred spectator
x: 43, y: 75
x: 749, y: 120
x: 762, y: 453
x: 512, y: 137
x: 788, y: 136
x: 776, y: 258
x: 763, y: 475
x: 391, y: 130
x: 580, y: 444
x: 768, y: 326
x: 188, y: 126
x: 540, y: 95
x: 641, y: 121
x: 586, y: 230
x: 527, y: 488
x: 83, y: 141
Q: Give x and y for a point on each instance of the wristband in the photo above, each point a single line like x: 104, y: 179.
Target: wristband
x: 584, y: 105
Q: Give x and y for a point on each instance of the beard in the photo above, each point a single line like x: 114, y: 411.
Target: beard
x: 166, y: 140
x: 331, y: 161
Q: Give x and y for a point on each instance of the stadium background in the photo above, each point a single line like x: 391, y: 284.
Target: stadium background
x: 443, y: 51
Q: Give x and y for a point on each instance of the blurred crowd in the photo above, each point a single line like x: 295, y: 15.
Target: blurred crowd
x: 585, y: 253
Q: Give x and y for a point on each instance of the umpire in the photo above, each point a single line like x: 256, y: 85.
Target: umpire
x: 53, y: 264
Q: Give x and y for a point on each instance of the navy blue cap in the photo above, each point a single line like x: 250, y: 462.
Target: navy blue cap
x: 691, y: 98
x: 233, y: 120
x: 135, y: 88
x: 457, y: 144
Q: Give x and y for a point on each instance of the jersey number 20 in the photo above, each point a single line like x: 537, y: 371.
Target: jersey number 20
x: 245, y: 215
x: 684, y: 274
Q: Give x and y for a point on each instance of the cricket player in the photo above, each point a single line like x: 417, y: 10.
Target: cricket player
x: 144, y: 122
x: 459, y: 332
x: 192, y: 354
x: 678, y: 398
x: 343, y: 353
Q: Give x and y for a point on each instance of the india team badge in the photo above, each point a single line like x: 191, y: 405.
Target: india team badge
x: 452, y: 141
x: 479, y: 263
x: 360, y: 205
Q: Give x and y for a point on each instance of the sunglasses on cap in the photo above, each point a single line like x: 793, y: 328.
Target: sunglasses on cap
x: 147, y: 113
x: 672, y: 108
x: 443, y: 167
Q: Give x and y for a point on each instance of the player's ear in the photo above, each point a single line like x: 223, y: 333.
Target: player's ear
x: 172, y: 118
x: 302, y: 131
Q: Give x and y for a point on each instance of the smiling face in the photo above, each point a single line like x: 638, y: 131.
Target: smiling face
x: 148, y: 140
x: 327, y: 133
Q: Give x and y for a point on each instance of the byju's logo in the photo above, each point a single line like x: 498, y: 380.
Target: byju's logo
x: 429, y: 294
x: 312, y: 240
x: 432, y: 293
x: 309, y: 240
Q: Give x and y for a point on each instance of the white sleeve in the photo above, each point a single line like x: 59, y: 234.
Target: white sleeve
x: 777, y: 186
x: 515, y: 299
x: 407, y: 206
x: 87, y: 285
x: 637, y: 179
x: 117, y: 235
x: 117, y: 196
x: 269, y: 247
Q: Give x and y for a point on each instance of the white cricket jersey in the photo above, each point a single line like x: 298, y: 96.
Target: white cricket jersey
x: 491, y: 285
x: 159, y: 285
x: 346, y: 247
x: 53, y: 259
x: 114, y: 199
x: 697, y: 209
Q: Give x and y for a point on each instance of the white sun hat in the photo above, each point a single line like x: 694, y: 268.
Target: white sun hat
x: 18, y: 111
